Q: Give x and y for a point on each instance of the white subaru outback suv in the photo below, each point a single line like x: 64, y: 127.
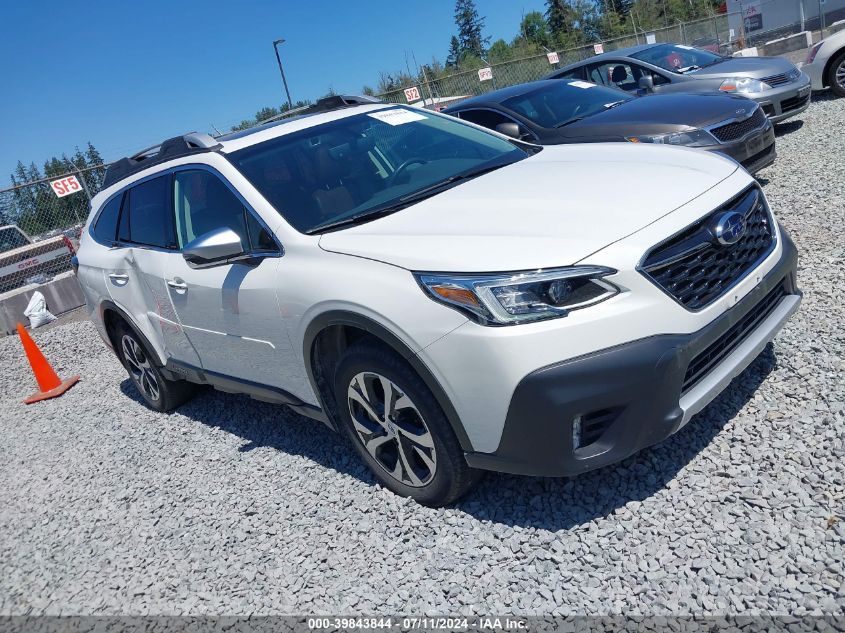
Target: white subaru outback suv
x: 452, y: 300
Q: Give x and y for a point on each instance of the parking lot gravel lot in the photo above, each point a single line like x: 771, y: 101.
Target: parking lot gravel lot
x: 232, y: 506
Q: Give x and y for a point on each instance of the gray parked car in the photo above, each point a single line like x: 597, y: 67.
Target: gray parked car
x: 780, y: 88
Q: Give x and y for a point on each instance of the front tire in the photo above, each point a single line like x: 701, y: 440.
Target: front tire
x: 836, y: 75
x: 158, y: 392
x: 399, y: 429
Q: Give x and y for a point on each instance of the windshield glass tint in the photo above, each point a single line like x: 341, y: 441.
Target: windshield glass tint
x: 366, y: 162
x: 675, y: 57
x: 11, y: 238
x: 559, y: 102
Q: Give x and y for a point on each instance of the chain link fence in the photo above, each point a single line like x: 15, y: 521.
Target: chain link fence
x: 40, y: 224
x: 713, y: 33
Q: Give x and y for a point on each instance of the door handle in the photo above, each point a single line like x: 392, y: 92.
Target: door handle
x: 119, y: 279
x: 177, y: 284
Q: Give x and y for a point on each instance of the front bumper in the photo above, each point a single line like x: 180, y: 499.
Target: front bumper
x: 753, y: 152
x: 785, y: 101
x: 598, y: 409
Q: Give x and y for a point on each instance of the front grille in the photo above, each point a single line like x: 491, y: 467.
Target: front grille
x: 739, y: 129
x: 783, y: 78
x: 714, y: 353
x: 695, y: 269
x: 793, y: 103
x: 776, y: 80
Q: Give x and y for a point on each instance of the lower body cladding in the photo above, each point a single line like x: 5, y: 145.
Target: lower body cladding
x: 755, y: 152
x: 598, y: 409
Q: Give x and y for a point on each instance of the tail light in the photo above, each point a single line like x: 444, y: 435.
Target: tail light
x: 813, y: 51
x: 69, y: 244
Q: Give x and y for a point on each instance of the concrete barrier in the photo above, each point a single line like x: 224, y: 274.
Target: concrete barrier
x: 63, y: 294
x: 787, y: 44
x: 746, y: 52
x: 835, y: 27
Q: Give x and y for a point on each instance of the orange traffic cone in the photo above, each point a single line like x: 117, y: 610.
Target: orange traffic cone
x: 49, y: 384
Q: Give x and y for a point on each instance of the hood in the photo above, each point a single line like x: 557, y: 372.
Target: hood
x: 669, y: 111
x: 755, y: 67
x: 551, y: 209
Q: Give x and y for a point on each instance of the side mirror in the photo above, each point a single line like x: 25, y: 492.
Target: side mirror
x: 509, y: 129
x: 646, y: 84
x: 217, y: 247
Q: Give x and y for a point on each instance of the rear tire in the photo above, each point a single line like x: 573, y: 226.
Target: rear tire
x: 159, y: 393
x: 396, y: 425
x: 836, y: 75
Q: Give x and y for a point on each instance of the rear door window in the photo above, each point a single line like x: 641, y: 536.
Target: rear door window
x: 146, y: 218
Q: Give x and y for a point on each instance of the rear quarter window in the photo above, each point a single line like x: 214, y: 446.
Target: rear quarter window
x: 105, y: 228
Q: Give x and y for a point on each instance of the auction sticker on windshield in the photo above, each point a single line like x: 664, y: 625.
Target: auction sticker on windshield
x: 398, y: 116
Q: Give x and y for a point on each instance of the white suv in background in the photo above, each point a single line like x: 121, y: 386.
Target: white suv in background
x: 450, y: 299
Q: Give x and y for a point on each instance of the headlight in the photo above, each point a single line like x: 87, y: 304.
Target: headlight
x: 507, y: 299
x: 691, y: 138
x: 743, y: 85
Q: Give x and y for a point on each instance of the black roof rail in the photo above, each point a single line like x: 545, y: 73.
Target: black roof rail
x: 176, y: 147
x: 336, y: 102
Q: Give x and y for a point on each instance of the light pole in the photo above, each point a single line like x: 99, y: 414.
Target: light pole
x: 282, y: 70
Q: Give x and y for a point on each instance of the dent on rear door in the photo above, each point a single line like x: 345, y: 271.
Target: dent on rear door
x: 135, y: 279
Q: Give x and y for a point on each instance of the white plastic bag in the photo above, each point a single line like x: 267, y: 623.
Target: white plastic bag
x: 37, y: 311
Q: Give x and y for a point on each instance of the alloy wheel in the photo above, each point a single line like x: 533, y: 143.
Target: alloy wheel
x: 840, y: 75
x: 140, y: 368
x: 392, y: 429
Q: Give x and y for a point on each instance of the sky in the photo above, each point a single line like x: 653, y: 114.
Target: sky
x: 126, y: 75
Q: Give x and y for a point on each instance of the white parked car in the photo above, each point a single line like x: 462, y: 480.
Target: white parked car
x: 450, y: 299
x: 826, y: 64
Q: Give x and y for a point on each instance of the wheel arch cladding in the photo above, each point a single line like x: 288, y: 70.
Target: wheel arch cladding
x: 111, y: 316
x: 331, y: 333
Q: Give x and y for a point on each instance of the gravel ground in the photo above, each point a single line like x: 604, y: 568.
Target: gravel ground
x: 233, y: 506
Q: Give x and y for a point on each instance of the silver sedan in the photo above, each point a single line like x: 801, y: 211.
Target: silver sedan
x: 826, y: 64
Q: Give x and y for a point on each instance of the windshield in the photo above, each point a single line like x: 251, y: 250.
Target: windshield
x: 367, y: 164
x: 677, y: 57
x: 11, y: 238
x: 560, y: 102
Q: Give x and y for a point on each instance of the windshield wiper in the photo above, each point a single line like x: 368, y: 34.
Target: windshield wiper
x: 406, y: 201
x: 608, y: 106
x: 686, y: 69
x: 568, y: 121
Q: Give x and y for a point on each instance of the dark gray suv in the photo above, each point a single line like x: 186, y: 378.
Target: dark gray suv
x: 780, y: 88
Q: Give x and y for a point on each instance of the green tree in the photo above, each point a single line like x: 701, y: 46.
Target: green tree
x: 560, y: 16
x: 470, y: 28
x: 535, y: 30
x: 266, y: 113
x: 500, y: 51
x: 454, y: 56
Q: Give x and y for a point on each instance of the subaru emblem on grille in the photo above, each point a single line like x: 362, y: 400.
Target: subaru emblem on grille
x: 729, y: 228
